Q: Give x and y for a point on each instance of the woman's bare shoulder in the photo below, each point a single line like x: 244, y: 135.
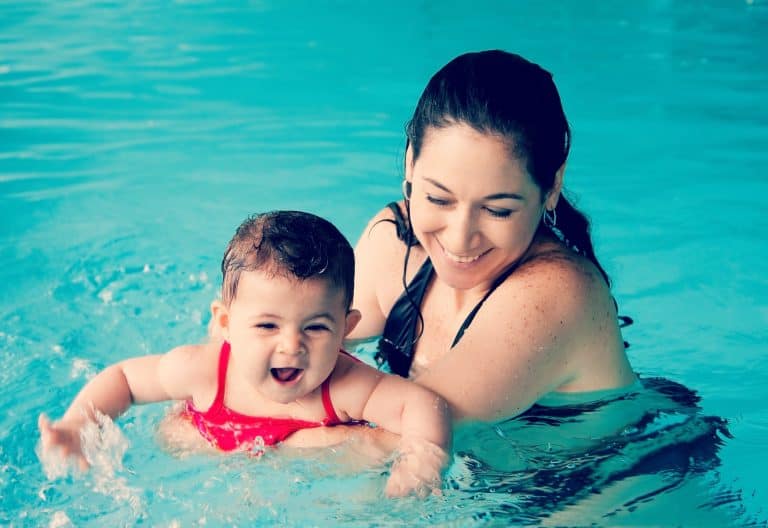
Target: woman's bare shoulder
x: 383, y: 228
x: 379, y: 258
x: 557, y: 281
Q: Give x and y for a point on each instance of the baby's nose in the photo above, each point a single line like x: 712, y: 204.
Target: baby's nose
x: 291, y: 343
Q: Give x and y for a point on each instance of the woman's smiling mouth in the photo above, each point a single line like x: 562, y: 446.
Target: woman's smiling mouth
x: 462, y: 259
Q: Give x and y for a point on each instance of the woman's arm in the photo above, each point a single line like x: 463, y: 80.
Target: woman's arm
x: 550, y: 326
x: 379, y: 259
x: 370, y: 252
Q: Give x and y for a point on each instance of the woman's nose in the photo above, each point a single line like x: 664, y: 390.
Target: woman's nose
x: 460, y: 231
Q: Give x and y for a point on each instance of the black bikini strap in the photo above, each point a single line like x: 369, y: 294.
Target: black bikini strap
x: 401, y: 226
x: 501, y: 278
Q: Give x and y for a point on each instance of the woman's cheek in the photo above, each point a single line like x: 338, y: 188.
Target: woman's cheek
x: 427, y: 220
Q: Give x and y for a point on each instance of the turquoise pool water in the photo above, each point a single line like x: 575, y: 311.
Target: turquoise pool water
x: 135, y: 136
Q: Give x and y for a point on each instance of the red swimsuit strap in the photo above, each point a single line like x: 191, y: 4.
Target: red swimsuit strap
x: 330, y: 412
x: 325, y: 391
x: 222, y: 376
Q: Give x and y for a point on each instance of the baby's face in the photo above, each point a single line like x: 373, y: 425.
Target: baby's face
x: 285, y: 334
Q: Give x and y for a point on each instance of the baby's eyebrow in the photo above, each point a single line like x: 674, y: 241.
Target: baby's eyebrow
x: 323, y: 315
x: 265, y: 315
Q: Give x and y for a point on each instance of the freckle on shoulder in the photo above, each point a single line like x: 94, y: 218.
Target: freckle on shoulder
x: 558, y: 269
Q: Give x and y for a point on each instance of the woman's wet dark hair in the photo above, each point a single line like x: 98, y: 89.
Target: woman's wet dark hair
x: 503, y: 94
x: 290, y: 244
x: 500, y: 93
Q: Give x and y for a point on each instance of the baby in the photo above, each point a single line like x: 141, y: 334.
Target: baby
x: 278, y: 366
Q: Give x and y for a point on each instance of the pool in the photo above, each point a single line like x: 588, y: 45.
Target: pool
x: 135, y: 136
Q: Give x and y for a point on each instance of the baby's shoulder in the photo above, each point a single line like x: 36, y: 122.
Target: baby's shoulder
x: 353, y: 374
x: 193, y: 366
x: 351, y: 384
x: 349, y: 365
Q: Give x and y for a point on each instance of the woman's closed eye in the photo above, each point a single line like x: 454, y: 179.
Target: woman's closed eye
x: 441, y: 202
x: 498, y: 212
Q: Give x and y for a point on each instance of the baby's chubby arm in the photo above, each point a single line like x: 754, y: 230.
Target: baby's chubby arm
x: 141, y: 379
x: 417, y: 414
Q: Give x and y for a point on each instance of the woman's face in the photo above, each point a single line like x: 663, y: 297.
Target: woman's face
x: 474, y: 208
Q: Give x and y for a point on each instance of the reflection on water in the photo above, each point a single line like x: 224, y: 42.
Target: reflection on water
x: 634, y: 457
x: 616, y: 455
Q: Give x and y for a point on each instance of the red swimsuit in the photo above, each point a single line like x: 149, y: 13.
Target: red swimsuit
x: 229, y: 430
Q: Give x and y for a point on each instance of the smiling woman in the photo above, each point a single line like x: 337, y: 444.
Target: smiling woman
x: 488, y: 290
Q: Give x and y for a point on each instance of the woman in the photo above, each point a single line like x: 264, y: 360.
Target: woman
x: 483, y: 280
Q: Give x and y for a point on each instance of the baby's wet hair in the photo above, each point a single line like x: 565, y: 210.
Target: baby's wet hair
x: 291, y: 244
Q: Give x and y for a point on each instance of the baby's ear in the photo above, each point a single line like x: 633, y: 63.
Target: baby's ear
x: 219, y: 325
x: 353, y: 317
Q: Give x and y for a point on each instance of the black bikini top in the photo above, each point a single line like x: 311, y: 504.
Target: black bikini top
x: 401, y: 327
x: 400, y: 330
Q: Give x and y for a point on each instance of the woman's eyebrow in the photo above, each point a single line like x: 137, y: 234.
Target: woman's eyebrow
x: 495, y: 196
x: 501, y: 196
x: 438, y: 185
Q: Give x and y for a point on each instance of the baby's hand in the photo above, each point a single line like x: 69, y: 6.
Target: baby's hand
x: 62, y: 437
x: 417, y: 469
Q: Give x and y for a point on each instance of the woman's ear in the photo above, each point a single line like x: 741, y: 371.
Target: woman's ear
x: 408, y: 164
x: 554, y: 193
x: 219, y: 325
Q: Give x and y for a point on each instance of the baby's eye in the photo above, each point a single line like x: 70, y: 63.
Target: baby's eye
x: 498, y: 213
x: 441, y: 202
x: 265, y: 326
x: 319, y: 327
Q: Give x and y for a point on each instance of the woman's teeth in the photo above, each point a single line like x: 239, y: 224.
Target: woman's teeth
x: 461, y: 259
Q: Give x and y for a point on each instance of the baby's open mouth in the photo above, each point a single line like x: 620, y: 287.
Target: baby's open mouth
x: 285, y: 374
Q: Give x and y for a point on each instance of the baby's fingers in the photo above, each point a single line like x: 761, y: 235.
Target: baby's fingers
x: 57, y: 440
x: 47, y: 432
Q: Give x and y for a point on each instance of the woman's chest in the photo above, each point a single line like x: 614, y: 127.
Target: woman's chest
x: 442, y: 323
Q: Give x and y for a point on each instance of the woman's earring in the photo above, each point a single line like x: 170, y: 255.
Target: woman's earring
x: 550, y: 218
x: 406, y: 189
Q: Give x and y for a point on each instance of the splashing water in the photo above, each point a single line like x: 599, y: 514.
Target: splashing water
x: 104, y: 446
